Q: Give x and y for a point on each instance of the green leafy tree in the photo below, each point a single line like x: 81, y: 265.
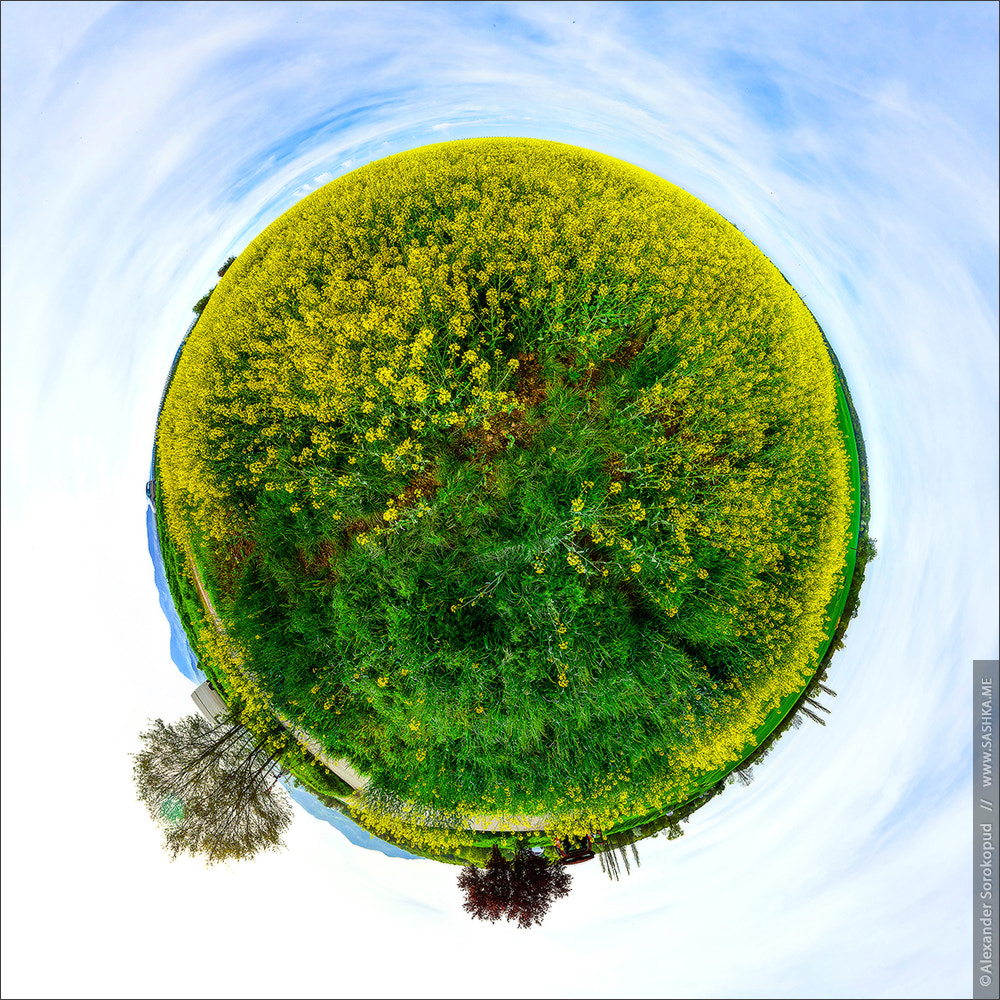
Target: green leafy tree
x: 521, y: 889
x: 199, y: 306
x: 213, y: 788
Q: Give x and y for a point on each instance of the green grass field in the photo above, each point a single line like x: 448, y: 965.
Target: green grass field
x: 519, y: 479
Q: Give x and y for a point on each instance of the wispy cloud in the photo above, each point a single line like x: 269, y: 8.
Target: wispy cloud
x: 855, y: 144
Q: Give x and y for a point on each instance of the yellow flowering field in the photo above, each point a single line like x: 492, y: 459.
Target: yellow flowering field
x: 515, y: 475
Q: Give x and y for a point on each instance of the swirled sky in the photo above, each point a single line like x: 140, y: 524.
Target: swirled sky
x: 143, y: 143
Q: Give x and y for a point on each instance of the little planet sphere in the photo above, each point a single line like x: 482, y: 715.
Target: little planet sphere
x: 504, y: 486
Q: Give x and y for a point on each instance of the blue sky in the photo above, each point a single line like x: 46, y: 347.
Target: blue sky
x: 142, y: 144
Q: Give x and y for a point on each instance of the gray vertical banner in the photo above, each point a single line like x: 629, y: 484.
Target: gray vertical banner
x: 985, y: 831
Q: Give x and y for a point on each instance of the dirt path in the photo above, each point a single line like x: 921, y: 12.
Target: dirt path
x: 481, y: 823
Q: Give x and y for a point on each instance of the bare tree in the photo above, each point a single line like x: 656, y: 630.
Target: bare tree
x: 621, y: 843
x: 213, y: 788
x: 815, y: 704
x: 811, y: 715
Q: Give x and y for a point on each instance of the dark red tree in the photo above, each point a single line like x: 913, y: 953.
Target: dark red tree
x: 535, y: 883
x: 487, y: 890
x: 521, y: 890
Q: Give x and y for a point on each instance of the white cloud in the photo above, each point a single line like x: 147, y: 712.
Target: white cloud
x: 143, y: 144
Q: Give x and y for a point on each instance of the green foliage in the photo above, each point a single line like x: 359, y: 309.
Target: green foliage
x: 187, y: 602
x: 516, y: 477
x: 314, y: 775
x: 867, y: 551
x: 199, y: 306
